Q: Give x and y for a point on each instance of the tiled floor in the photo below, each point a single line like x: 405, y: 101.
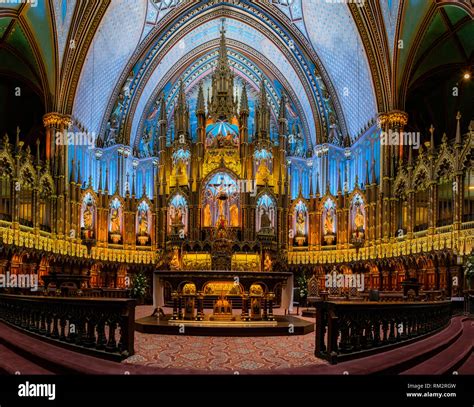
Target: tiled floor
x: 222, y: 353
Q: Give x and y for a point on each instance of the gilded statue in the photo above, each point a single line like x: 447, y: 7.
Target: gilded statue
x: 207, y: 216
x: 88, y: 218
x: 177, y: 217
x: 263, y: 173
x: 143, y: 223
x: 174, y: 263
x: 359, y: 219
x: 329, y: 222
x: 267, y: 264
x: 115, y: 222
x: 300, y: 224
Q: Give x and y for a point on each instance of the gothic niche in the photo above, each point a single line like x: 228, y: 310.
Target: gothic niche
x: 357, y: 217
x: 221, y: 202
x: 143, y: 223
x: 300, y: 223
x: 178, y: 216
x: 87, y: 217
x: 115, y: 221
x: 263, y: 166
x: 179, y: 175
x: 329, y: 222
x: 265, y: 221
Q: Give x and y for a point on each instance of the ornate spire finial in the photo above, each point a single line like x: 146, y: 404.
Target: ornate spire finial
x: 432, y: 146
x: 200, y: 106
x: 367, y: 180
x: 244, y: 101
x: 127, y: 184
x: 223, y: 63
x: 79, y: 180
x: 73, y: 169
x: 222, y: 105
x: 410, y: 157
x: 38, y: 151
x: 163, y: 115
x: 107, y: 180
x: 100, y: 178
x: 458, y: 129
x: 374, y: 176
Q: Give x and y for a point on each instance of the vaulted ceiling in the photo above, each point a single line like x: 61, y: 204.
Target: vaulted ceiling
x: 341, y: 64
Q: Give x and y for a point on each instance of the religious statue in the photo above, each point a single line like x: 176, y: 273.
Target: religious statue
x: 234, y: 216
x: 143, y: 223
x: 300, y: 224
x: 265, y: 221
x: 263, y: 173
x: 207, y: 216
x: 143, y: 227
x: 359, y: 219
x: 267, y: 264
x: 88, y: 218
x: 174, y: 262
x: 115, y: 222
x: 329, y: 222
x: 177, y: 217
x: 221, y: 227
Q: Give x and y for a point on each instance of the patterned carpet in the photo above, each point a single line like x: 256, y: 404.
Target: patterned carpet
x: 238, y: 354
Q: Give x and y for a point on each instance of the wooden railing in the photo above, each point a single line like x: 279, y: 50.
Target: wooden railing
x: 102, y: 327
x: 348, y: 330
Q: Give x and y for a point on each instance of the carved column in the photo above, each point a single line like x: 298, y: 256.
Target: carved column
x: 390, y: 123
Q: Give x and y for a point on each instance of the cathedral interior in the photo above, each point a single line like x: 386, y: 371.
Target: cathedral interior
x: 221, y: 161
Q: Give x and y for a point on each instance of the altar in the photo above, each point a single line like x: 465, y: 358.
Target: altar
x: 223, y: 296
x: 222, y: 303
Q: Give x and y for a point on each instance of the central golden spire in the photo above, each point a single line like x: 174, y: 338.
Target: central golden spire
x: 222, y: 105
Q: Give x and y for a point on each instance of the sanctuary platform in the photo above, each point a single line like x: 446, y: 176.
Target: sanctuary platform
x: 234, y: 303
x: 281, y: 326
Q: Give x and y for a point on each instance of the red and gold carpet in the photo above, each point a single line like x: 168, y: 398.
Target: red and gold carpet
x: 238, y: 354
